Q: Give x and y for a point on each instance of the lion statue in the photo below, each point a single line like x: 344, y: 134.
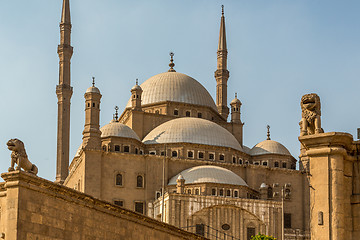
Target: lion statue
x: 311, y: 115
x: 19, y: 156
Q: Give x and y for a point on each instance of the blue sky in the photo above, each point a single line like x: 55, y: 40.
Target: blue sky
x: 278, y: 51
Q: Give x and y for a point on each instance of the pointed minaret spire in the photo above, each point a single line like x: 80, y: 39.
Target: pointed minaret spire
x: 222, y: 74
x: 64, y: 92
x: 268, y: 132
x: 65, y: 16
x: 222, y: 36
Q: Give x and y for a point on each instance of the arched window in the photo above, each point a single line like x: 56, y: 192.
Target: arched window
x: 197, y: 191
x: 234, y: 159
x: 174, y: 153
x: 119, y: 180
x: 213, y: 192
x: 211, y: 156
x: 228, y: 193
x: 270, y: 192
x: 139, y: 181
x: 187, y: 113
x: 222, y: 157
x: 88, y: 104
x: 158, y: 194
x: 236, y: 193
x: 126, y: 149
x: 276, y: 164
x: 189, y: 191
x: 190, y: 154
x: 93, y: 104
x: 199, y: 115
x: 136, y: 150
x: 104, y: 148
x: 201, y: 155
x: 221, y: 192
x: 117, y: 148
x: 176, y: 112
x: 284, y: 164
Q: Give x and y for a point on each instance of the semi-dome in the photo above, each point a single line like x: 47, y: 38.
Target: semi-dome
x: 117, y: 129
x: 176, y: 87
x: 209, y: 174
x: 192, y: 130
x: 269, y: 147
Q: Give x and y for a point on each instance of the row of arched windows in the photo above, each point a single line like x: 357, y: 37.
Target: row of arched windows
x: 126, y: 149
x: 119, y: 181
x: 225, y: 192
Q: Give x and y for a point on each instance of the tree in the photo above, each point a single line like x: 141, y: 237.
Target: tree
x: 262, y: 237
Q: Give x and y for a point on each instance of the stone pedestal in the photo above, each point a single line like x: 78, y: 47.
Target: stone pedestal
x: 330, y: 176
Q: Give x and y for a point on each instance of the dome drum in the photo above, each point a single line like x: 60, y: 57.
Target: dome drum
x: 200, y: 152
x: 217, y: 190
x: 123, y: 145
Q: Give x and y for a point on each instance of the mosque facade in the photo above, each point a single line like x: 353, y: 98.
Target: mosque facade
x: 173, y: 155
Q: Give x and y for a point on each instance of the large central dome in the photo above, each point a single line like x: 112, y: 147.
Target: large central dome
x: 192, y: 130
x: 175, y: 87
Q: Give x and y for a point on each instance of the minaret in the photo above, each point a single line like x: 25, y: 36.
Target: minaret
x: 235, y: 110
x: 64, y: 92
x: 136, y: 92
x: 92, y: 133
x: 222, y: 74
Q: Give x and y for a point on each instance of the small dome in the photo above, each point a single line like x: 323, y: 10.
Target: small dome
x: 263, y: 185
x: 235, y: 101
x: 92, y: 90
x: 136, y: 87
x: 209, y: 174
x: 192, y: 130
x: 180, y: 177
x: 117, y: 129
x: 175, y: 87
x: 269, y: 147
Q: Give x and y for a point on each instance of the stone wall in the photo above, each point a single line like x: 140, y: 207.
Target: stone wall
x: 34, y: 208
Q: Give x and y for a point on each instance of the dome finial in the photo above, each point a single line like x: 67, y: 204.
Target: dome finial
x: 236, y: 95
x: 222, y: 10
x: 268, y: 132
x: 171, y: 64
x: 93, y: 83
x: 137, y: 81
x: 116, y: 115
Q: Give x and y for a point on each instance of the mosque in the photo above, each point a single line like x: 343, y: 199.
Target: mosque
x: 173, y: 165
x: 173, y: 155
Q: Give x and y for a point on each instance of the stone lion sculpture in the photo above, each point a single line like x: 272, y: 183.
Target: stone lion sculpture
x: 19, y: 156
x: 311, y: 115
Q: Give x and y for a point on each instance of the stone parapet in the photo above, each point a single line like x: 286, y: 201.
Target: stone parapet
x: 35, y: 208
